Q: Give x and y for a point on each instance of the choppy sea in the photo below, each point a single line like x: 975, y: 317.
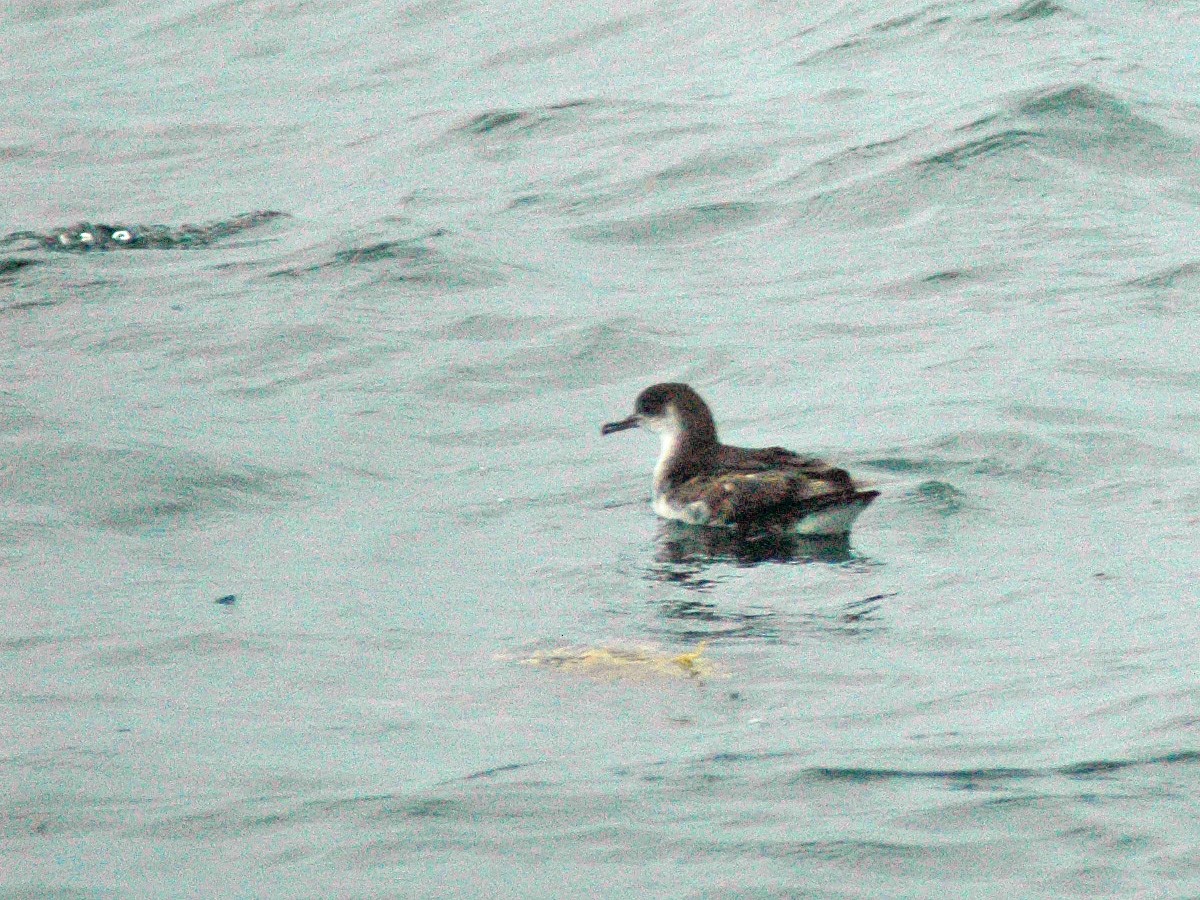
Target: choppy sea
x: 320, y: 581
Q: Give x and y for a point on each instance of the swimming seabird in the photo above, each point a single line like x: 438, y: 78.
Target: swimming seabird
x: 701, y: 481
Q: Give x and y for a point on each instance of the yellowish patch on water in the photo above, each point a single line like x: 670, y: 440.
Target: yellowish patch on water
x: 636, y: 663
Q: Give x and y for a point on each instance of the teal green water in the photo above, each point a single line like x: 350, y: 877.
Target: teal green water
x: 952, y: 247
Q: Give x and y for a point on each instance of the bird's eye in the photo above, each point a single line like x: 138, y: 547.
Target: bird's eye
x: 86, y: 237
x: 122, y: 235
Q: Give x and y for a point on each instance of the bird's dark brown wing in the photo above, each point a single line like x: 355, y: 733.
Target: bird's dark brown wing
x: 777, y: 459
x: 739, y: 497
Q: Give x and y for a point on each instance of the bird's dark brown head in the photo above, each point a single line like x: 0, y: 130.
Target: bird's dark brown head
x: 654, y: 400
x: 669, y: 407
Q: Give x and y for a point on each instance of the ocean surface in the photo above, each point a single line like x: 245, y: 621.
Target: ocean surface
x: 319, y: 580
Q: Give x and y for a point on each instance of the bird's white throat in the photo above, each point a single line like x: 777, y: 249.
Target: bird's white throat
x: 670, y: 433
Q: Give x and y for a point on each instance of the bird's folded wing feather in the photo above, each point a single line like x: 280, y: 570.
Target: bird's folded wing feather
x: 741, y: 496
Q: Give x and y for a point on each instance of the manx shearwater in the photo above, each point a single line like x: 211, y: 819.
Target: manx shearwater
x: 701, y: 481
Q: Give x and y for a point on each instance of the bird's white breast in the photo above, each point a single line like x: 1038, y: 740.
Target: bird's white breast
x: 694, y: 513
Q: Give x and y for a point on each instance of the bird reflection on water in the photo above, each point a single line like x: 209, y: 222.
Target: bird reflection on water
x: 686, y: 556
x: 683, y: 547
